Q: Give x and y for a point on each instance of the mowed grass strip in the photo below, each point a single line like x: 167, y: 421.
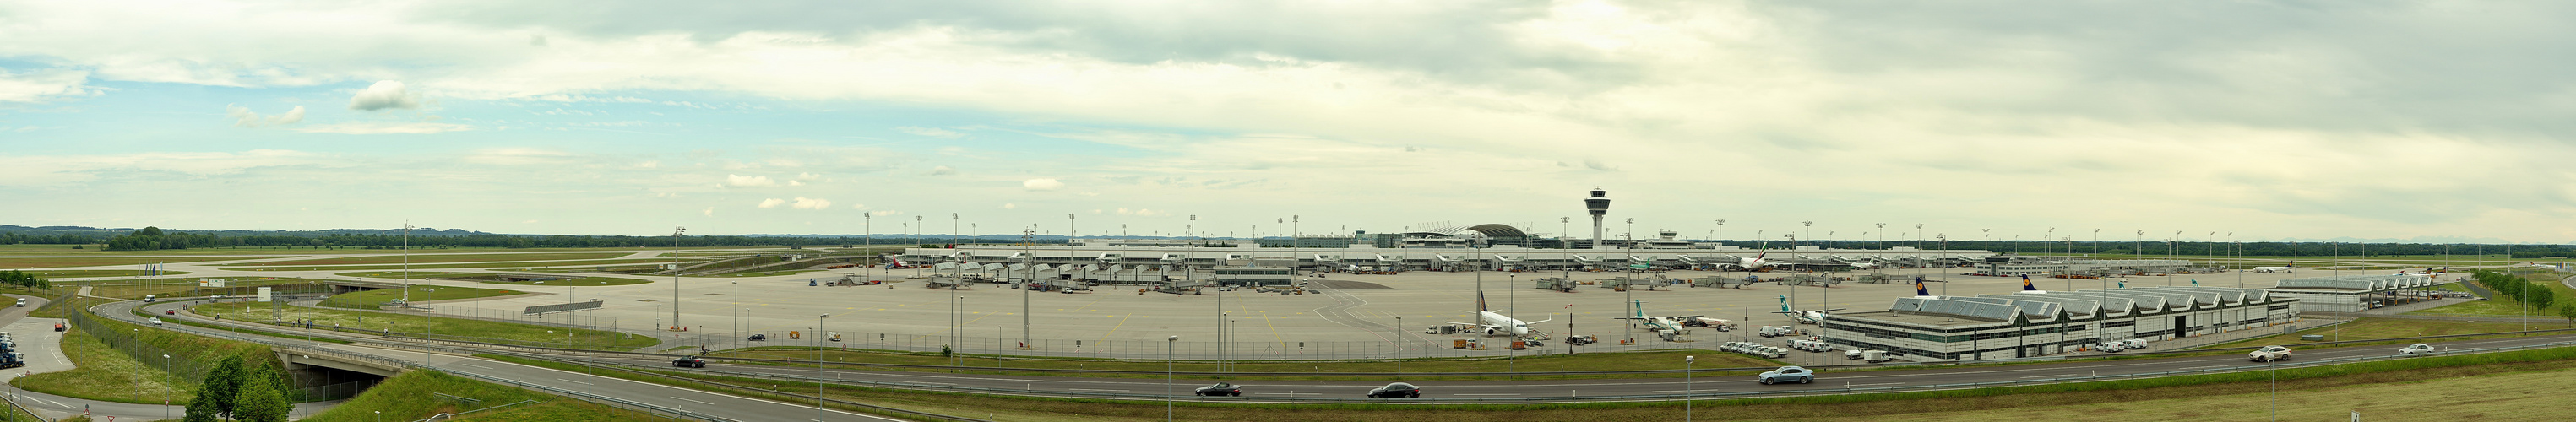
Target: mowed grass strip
x: 372, y: 298
x: 431, y: 326
x: 489, y: 278
x: 419, y: 258
x: 408, y: 397
x: 105, y: 374
x: 512, y: 264
x: 52, y: 262
x: 2368, y: 328
x: 96, y: 273
x: 1484, y: 368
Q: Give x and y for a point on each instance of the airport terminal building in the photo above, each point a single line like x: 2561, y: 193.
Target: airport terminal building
x: 2349, y: 293
x: 2034, y: 323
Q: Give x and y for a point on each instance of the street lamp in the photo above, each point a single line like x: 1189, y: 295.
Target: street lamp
x: 1167, y: 376
x: 818, y: 366
x: 675, y: 274
x: 1686, y: 386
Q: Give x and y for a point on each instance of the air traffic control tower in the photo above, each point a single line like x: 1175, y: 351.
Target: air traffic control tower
x: 1599, y: 205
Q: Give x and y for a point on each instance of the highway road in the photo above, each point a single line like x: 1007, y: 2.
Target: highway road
x: 1829, y: 381
x: 693, y: 402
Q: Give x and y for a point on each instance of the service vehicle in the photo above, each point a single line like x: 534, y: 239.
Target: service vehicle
x: 1220, y: 389
x: 689, y: 362
x: 2111, y: 347
x: 1874, y: 356
x: 1788, y: 374
x: 148, y: 299
x: 2415, y: 348
x: 1394, y: 390
x: 1853, y: 353
x: 2268, y: 354
x: 2134, y: 344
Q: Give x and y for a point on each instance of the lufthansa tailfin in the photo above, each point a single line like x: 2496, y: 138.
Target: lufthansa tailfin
x: 2025, y: 284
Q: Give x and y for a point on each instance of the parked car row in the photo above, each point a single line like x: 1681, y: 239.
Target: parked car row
x: 1752, y: 348
x: 1779, y: 330
x: 1871, y: 356
x: 2121, y: 345
x: 1811, y: 345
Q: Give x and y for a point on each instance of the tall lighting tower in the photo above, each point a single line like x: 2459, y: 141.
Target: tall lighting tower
x: 1598, y: 205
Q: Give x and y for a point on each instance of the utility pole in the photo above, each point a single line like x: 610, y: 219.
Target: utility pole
x: 406, y: 277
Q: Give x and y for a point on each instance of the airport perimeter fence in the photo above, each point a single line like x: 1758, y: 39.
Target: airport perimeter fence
x: 1413, y: 346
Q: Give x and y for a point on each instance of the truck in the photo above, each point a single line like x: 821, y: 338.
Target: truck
x: 1873, y: 356
x: 2268, y: 354
x: 1777, y: 330
x: 12, y: 360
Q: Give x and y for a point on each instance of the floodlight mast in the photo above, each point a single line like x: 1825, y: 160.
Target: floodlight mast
x: 675, y: 273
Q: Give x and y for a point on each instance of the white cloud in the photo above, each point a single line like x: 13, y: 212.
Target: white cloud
x: 710, y: 212
x: 858, y: 206
x: 943, y: 171
x: 741, y: 181
x: 772, y: 202
x: 808, y: 176
x: 381, y: 128
x: 521, y: 156
x: 47, y: 170
x: 43, y: 85
x: 796, y: 183
x: 1010, y: 206
x: 1041, y: 184
x: 383, y: 95
x: 804, y: 203
x: 649, y: 164
x: 930, y: 132
x: 885, y: 213
x: 243, y: 117
x: 1141, y: 212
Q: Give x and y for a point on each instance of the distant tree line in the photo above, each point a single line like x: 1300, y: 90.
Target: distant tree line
x: 2514, y: 286
x: 21, y: 279
x: 2157, y: 247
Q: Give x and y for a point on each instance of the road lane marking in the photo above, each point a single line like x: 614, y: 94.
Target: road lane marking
x: 571, y: 381
x: 477, y: 366
x: 1094, y: 389
x: 1497, y: 394
x: 698, y: 402
x: 2054, y: 376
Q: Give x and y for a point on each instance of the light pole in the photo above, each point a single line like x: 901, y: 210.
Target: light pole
x: 165, y: 366
x: 869, y: 239
x: 406, y: 277
x: 1167, y: 376
x: 818, y: 366
x: 737, y: 308
x: 1399, y: 347
x: 1686, y: 386
x: 675, y: 274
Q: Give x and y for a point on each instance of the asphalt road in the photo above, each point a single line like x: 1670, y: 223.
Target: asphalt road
x: 692, y: 401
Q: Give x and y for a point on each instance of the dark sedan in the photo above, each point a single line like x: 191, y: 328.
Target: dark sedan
x: 1396, y: 390
x: 1220, y: 389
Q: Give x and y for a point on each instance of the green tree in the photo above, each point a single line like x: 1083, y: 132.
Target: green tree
x: 222, y: 385
x: 262, y: 400
x: 200, y: 409
x: 2568, y: 310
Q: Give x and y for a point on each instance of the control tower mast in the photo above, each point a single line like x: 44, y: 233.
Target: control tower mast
x: 1599, y: 205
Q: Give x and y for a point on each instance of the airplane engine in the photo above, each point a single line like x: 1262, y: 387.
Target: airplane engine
x: 1489, y: 331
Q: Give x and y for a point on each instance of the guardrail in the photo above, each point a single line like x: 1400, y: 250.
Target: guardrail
x: 1573, y: 398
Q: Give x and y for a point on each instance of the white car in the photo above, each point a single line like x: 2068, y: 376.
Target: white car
x: 2415, y: 348
x: 156, y: 320
x: 2268, y: 354
x: 2111, y: 347
x: 2134, y: 344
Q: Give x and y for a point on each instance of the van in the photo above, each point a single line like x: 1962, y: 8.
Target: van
x: 22, y: 303
x: 148, y: 299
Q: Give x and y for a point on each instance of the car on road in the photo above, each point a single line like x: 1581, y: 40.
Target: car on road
x: 758, y: 337
x: 1220, y: 389
x: 1393, y: 390
x: 2268, y: 354
x: 156, y: 320
x: 689, y: 362
x: 2415, y: 348
x: 1788, y: 374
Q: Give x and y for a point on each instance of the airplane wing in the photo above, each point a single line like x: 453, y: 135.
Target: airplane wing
x: 1475, y: 324
x: 1834, y: 309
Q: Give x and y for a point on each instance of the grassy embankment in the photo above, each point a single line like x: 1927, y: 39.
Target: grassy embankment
x: 1487, y: 368
x: 2505, y: 386
x: 371, y: 298
x: 439, y: 258
x: 408, y: 397
x: 2506, y: 305
x: 437, y: 327
x: 55, y: 262
x: 235, y: 287
x: 2368, y: 328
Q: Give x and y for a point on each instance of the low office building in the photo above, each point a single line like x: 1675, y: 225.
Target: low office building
x: 2094, y: 267
x: 2039, y: 323
x: 2352, y: 293
x: 1179, y: 255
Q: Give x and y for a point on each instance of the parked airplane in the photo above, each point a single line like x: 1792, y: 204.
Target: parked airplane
x: 2427, y: 272
x: 1637, y: 311
x: 1919, y: 291
x: 2025, y: 285
x: 2292, y: 267
x: 894, y: 263
x: 1803, y: 317
x: 1756, y: 262
x: 1497, y: 324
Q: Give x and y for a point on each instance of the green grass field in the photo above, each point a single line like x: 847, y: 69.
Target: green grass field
x: 369, y: 299
x: 430, y: 258
x: 2505, y: 305
x: 408, y: 397
x: 439, y: 327
x: 103, y: 373
x: 54, y: 262
x: 418, y: 267
x: 1491, y: 368
x: 94, y: 273
x: 236, y: 287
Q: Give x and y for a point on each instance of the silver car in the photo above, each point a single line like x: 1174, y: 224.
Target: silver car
x: 1788, y: 374
x: 2415, y: 349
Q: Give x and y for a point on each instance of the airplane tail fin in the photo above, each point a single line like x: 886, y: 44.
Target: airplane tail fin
x: 2025, y: 284
x: 1784, y: 304
x: 1918, y: 287
x: 1480, y: 302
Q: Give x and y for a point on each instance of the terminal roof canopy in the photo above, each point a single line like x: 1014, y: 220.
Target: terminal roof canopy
x: 1489, y: 230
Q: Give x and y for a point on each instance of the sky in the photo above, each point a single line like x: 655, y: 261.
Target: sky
x: 2247, y: 120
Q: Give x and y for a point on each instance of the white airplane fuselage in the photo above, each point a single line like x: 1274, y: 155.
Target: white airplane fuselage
x: 1497, y: 324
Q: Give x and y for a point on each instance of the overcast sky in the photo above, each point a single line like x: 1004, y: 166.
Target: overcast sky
x: 2267, y: 120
